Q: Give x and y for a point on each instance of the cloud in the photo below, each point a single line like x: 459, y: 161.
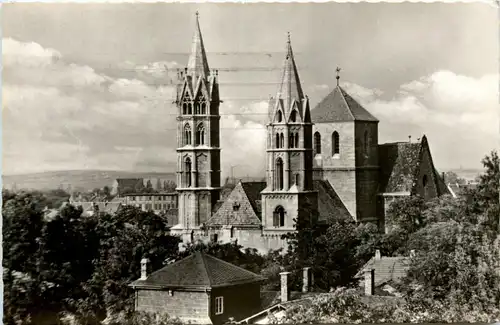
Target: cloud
x: 61, y: 107
x: 459, y: 114
x: 64, y: 115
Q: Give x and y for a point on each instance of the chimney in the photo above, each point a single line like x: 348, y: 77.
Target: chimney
x: 412, y: 253
x: 444, y: 179
x: 377, y: 255
x: 306, y: 281
x: 144, y: 269
x: 285, y: 294
x: 409, y: 138
x: 369, y: 282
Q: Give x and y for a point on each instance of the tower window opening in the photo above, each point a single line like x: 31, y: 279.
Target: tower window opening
x: 296, y: 140
x: 197, y: 108
x: 282, y: 140
x: 200, y: 135
x: 291, y: 141
x: 187, y: 171
x: 279, y: 217
x: 280, y: 116
x: 187, y: 134
x: 335, y: 143
x: 279, y: 174
x: 297, y: 178
x: 293, y: 116
x: 203, y: 108
x: 189, y: 108
x: 317, y: 143
x: 184, y: 108
x: 277, y: 140
x: 366, y: 142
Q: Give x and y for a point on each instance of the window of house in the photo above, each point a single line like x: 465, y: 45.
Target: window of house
x: 236, y: 206
x: 335, y: 143
x: 219, y: 305
x: 317, y: 143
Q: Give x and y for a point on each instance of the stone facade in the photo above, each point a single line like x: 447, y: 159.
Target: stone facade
x: 198, y: 147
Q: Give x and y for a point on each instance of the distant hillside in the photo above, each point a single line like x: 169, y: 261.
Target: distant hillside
x: 74, y: 179
x: 467, y: 174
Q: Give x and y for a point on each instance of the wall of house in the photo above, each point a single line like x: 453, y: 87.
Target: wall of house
x: 188, y: 306
x: 239, y: 302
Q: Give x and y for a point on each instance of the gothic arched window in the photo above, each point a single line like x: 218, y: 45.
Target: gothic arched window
x: 366, y: 142
x: 187, y: 171
x: 279, y: 216
x: 200, y: 135
x: 335, y: 143
x: 293, y: 116
x: 279, y: 174
x: 282, y: 140
x: 297, y: 179
x: 280, y: 116
x: 187, y: 134
x: 184, y: 108
x: 297, y: 140
x: 291, y: 141
x: 203, y: 108
x: 197, y: 108
x: 317, y: 143
x: 277, y: 140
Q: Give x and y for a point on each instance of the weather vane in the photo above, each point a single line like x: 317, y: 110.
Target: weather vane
x: 338, y: 75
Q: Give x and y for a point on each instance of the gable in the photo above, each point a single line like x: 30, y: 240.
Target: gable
x: 240, y: 207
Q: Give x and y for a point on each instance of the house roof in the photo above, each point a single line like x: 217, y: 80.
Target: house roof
x: 245, y: 196
x: 198, y: 271
x: 386, y: 269
x: 399, y: 165
x: 329, y: 203
x: 339, y: 106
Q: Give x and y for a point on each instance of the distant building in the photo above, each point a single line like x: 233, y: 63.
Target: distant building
x: 379, y: 275
x: 457, y: 190
x: 156, y: 202
x: 199, y: 289
x: 122, y: 186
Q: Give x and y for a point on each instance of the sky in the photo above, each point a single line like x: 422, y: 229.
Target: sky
x: 90, y: 86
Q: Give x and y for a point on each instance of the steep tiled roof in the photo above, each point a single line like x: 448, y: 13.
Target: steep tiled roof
x: 340, y: 106
x: 245, y: 196
x: 398, y: 164
x: 329, y: 203
x: 386, y: 269
x: 199, y: 270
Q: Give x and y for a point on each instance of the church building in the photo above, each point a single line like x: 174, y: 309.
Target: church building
x: 321, y: 163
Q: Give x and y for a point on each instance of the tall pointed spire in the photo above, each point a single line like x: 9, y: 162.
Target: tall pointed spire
x: 290, y: 88
x: 198, y: 64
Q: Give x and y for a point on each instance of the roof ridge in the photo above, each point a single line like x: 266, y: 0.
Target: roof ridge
x: 232, y: 265
x: 342, y: 91
x: 205, y: 266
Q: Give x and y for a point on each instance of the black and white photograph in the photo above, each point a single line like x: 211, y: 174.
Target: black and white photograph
x: 250, y: 163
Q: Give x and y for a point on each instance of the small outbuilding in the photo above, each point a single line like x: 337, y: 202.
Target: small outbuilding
x: 199, y: 289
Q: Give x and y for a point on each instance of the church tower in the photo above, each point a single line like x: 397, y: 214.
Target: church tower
x: 198, y: 147
x: 289, y: 193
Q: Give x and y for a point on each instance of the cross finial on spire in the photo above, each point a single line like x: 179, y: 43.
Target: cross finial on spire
x: 338, y: 75
x: 288, y: 36
x: 197, y: 14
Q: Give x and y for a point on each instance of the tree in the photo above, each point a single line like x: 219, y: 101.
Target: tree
x: 169, y: 186
x: 452, y: 178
